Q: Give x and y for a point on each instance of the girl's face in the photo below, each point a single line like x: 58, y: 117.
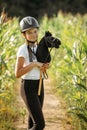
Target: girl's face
x: 32, y: 34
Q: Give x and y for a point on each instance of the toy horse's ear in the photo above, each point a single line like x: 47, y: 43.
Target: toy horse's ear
x: 47, y: 33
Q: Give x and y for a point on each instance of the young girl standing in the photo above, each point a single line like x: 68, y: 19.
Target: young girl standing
x: 28, y: 68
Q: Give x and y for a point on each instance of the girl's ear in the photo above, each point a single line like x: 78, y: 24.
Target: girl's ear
x: 23, y: 34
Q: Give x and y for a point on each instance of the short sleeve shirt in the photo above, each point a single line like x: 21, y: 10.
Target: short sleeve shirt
x: 34, y: 74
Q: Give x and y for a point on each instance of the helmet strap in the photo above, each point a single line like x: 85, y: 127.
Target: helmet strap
x: 31, y: 43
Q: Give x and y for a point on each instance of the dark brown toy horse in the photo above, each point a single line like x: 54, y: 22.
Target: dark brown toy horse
x: 43, y: 53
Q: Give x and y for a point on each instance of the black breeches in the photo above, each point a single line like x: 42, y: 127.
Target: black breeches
x: 34, y: 103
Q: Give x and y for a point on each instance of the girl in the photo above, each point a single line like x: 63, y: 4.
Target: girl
x: 28, y: 68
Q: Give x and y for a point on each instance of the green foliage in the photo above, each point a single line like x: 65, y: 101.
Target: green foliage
x: 9, y: 35
x: 69, y: 63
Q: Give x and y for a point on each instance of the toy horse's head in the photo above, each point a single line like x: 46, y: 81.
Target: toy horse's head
x: 42, y: 53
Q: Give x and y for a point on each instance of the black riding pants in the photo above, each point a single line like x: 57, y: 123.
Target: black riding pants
x: 34, y: 103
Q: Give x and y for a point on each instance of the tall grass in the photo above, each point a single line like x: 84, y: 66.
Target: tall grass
x: 70, y: 63
x: 9, y: 40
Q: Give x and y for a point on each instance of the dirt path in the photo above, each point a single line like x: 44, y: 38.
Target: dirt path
x: 54, y: 110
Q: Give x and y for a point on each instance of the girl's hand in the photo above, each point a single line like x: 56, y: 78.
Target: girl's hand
x: 39, y: 64
x: 42, y: 65
x: 46, y: 65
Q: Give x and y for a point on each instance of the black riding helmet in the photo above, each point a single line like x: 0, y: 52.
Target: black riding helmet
x: 27, y: 23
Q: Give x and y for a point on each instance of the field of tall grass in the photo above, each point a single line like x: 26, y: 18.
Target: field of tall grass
x: 9, y: 41
x: 69, y: 65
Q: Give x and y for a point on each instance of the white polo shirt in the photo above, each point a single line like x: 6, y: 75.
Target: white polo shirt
x: 34, y: 74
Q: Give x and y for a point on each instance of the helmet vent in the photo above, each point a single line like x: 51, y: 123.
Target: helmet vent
x: 29, y: 21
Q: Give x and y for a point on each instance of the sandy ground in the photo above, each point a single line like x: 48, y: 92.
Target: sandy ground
x: 54, y: 110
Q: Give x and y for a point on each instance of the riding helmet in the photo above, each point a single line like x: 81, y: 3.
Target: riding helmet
x: 27, y: 23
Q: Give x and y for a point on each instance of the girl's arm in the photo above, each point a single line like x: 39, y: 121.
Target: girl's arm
x: 20, y: 70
